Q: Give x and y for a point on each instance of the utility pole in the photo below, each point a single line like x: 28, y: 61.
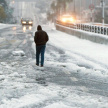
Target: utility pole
x: 80, y: 9
x: 91, y: 12
x: 91, y: 7
x: 103, y: 9
x: 74, y: 9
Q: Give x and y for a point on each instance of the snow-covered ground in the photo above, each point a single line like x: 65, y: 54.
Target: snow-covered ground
x: 17, y: 90
x: 23, y: 85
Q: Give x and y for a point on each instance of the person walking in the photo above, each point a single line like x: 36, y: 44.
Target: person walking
x: 40, y: 39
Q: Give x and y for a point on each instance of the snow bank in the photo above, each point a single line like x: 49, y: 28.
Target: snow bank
x: 2, y: 77
x: 18, y: 53
x: 59, y: 105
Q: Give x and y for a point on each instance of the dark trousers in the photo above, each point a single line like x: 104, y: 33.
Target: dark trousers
x: 40, y: 50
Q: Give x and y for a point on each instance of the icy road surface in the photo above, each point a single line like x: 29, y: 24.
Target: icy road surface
x: 75, y: 73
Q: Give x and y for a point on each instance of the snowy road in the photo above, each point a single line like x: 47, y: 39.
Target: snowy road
x: 75, y: 73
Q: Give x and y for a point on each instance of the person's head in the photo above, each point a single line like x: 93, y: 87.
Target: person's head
x: 39, y: 27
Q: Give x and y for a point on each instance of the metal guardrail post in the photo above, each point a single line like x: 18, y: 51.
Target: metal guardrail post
x: 77, y: 26
x: 92, y: 28
x: 85, y: 28
x: 96, y: 29
x: 102, y: 30
x: 105, y: 31
x: 99, y: 30
x: 81, y: 26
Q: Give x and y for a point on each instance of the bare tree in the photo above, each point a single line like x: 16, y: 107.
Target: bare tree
x: 58, y: 7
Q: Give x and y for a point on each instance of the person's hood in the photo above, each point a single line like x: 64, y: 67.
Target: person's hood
x: 39, y: 27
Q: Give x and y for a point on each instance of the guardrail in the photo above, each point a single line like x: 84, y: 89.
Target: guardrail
x: 85, y: 27
x: 93, y: 28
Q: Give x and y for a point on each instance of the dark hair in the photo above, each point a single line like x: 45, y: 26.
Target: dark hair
x: 39, y: 27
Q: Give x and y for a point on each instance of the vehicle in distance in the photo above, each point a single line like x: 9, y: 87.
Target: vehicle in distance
x: 26, y: 21
x: 67, y: 19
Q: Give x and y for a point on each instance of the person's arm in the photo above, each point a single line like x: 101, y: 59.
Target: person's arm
x: 35, y: 37
x: 47, y: 38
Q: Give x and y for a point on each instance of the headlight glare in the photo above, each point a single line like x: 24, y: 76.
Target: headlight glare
x: 24, y: 22
x: 30, y: 22
x: 71, y: 19
x: 64, y: 20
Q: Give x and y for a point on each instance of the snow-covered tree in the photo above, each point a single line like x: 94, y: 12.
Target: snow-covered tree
x: 98, y: 16
x: 2, y: 14
x: 6, y: 11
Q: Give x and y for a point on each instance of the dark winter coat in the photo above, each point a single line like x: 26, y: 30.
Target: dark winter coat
x: 40, y: 37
